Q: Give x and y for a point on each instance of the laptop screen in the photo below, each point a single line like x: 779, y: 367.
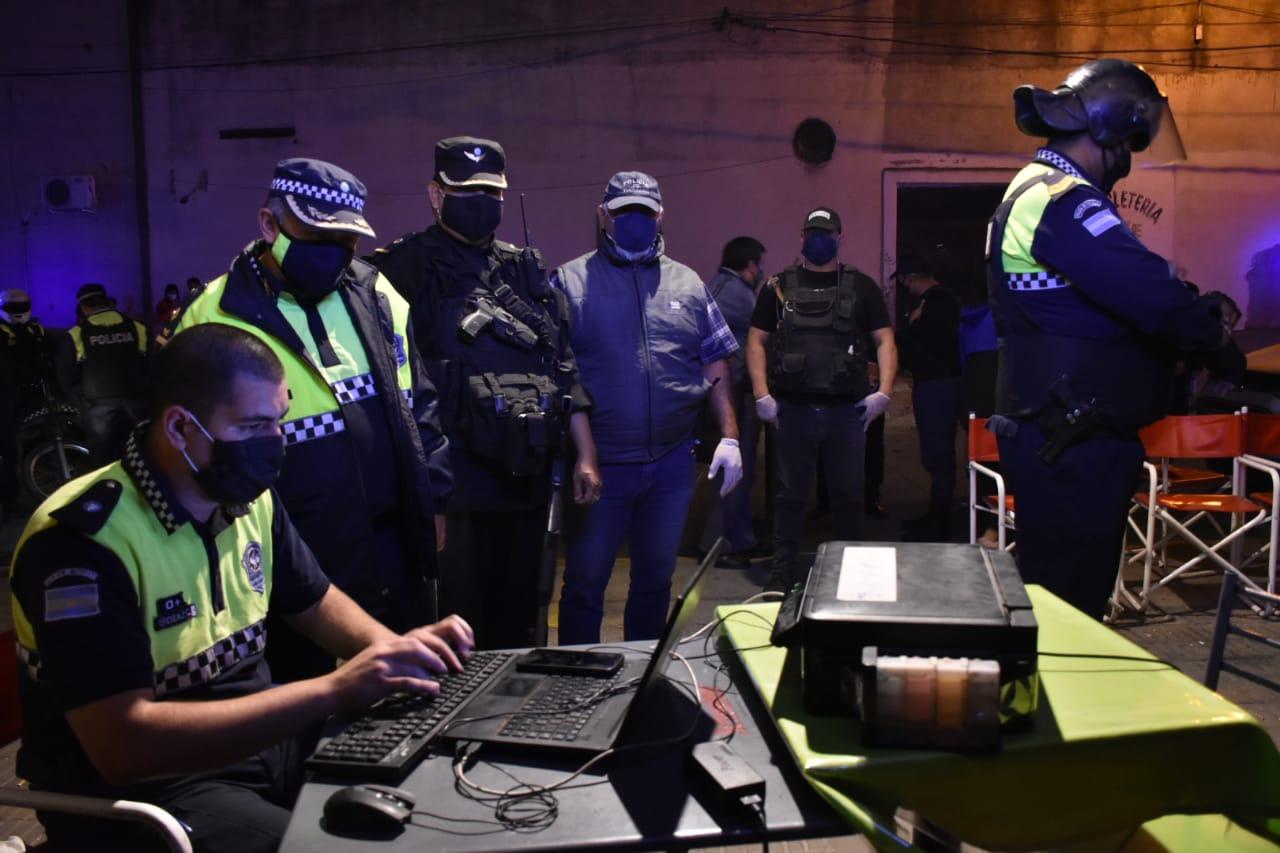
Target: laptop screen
x: 677, y: 624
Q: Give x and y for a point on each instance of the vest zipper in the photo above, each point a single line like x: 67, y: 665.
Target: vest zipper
x: 648, y: 363
x: 215, y: 572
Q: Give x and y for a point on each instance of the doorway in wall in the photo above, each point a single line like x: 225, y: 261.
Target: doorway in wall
x: 946, y: 225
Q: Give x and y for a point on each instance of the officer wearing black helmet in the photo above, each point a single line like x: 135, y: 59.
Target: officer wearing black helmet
x: 494, y: 336
x: 1089, y: 323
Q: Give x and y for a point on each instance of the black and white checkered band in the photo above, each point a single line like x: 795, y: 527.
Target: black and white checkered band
x: 332, y: 196
x: 1057, y: 161
x: 1035, y: 281
x: 354, y: 389
x: 206, y: 666
x: 146, y: 482
x: 30, y: 659
x: 407, y: 393
x: 316, y: 426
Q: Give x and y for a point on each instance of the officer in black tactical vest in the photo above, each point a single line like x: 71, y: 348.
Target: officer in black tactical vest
x: 494, y: 336
x: 102, y: 369
x: 808, y: 346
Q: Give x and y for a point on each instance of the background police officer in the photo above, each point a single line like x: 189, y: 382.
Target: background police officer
x: 130, y: 579
x: 807, y: 354
x: 494, y: 337
x: 367, y: 466
x: 25, y: 362
x: 102, y: 370
x: 1089, y: 323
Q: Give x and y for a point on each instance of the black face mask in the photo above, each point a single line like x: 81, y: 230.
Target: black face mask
x: 311, y: 270
x: 1121, y: 160
x: 240, y: 470
x: 473, y: 216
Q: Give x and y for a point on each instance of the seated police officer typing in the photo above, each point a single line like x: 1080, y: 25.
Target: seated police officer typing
x: 141, y: 592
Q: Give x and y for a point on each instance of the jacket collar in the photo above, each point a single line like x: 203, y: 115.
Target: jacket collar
x: 1061, y: 162
x: 153, y: 485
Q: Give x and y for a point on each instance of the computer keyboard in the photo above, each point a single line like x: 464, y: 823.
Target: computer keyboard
x: 559, y: 713
x: 391, y: 737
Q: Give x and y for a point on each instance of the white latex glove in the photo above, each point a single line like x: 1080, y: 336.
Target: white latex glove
x: 873, y: 406
x: 767, y: 409
x: 729, y: 458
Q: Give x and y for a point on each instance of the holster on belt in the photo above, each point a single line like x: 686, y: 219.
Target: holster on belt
x: 1066, y: 420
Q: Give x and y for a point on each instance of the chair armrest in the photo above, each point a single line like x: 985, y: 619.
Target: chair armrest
x: 989, y: 472
x: 173, y: 832
x: 1266, y: 466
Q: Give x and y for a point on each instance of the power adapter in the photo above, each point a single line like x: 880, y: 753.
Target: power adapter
x: 731, y: 780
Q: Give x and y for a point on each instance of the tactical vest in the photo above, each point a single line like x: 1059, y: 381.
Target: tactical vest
x: 200, y: 622
x: 507, y: 397
x: 1127, y: 380
x: 817, y: 347
x: 317, y: 392
x: 109, y: 349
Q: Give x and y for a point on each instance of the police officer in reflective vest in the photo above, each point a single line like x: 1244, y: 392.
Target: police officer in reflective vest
x: 140, y: 598
x: 102, y: 369
x: 495, y: 340
x: 807, y: 355
x: 366, y: 477
x: 1089, y: 324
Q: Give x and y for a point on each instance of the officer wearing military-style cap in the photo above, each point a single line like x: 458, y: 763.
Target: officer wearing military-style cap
x: 366, y: 476
x: 492, y: 332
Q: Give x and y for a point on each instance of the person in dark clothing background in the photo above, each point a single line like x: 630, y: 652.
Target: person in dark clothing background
x: 930, y: 350
x: 101, y: 367
x: 486, y: 318
x: 734, y: 289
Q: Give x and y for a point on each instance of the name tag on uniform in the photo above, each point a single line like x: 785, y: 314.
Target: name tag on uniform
x: 173, y: 610
x: 674, y: 305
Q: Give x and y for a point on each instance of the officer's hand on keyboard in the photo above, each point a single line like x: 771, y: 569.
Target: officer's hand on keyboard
x: 451, y: 639
x: 400, y: 665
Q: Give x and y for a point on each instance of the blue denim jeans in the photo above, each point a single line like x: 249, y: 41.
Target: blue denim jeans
x: 645, y: 503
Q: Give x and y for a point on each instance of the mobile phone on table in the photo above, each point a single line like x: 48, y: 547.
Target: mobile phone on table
x: 570, y: 662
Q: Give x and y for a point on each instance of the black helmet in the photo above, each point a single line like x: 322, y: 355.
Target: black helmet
x: 1113, y: 100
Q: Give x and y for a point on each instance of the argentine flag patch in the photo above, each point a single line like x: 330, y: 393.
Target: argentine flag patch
x: 1101, y: 222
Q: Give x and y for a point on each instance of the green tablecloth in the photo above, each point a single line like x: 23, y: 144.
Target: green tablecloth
x: 1115, y: 743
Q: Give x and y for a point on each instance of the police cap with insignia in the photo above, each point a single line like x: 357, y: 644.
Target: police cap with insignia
x: 322, y: 195
x: 465, y: 161
x: 629, y: 188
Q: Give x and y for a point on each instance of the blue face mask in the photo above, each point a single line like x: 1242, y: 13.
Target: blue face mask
x: 634, y: 232
x: 311, y: 270
x: 820, y: 247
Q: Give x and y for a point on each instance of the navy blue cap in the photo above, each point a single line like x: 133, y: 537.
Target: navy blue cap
x: 822, y: 219
x: 627, y: 188
x: 91, y: 291
x: 465, y: 161
x: 322, y: 195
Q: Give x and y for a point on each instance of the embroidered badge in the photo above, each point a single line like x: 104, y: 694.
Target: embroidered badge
x: 63, y: 574
x: 1101, y: 222
x: 1085, y: 206
x: 673, y: 305
x: 252, y: 562
x: 402, y: 355
x: 173, y: 610
x: 70, y: 602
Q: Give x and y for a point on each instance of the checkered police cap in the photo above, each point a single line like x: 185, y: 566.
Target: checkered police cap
x: 322, y: 195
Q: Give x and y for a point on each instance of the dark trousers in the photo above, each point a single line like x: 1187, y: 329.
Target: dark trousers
x: 243, y: 808
x: 874, y: 478
x: 106, y: 424
x: 936, y: 403
x: 730, y: 516
x: 489, y: 573
x: 805, y: 431
x: 1071, y: 514
x: 645, y: 503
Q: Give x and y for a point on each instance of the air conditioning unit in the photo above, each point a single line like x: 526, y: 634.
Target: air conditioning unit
x: 69, y: 192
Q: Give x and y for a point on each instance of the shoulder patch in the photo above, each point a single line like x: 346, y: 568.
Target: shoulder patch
x: 396, y: 244
x: 89, y: 512
x: 1061, y: 186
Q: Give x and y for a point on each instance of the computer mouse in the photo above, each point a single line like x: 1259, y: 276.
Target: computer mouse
x: 373, y: 809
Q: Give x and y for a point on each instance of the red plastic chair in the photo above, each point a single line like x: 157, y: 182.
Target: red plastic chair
x: 982, y: 451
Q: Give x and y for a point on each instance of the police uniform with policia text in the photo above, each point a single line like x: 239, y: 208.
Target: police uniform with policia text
x: 494, y: 339
x: 105, y: 602
x: 1089, y: 323
x: 366, y: 464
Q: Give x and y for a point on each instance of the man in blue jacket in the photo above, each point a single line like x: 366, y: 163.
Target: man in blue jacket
x: 650, y: 344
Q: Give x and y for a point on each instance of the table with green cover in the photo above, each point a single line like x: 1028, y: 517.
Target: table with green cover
x: 1116, y: 742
